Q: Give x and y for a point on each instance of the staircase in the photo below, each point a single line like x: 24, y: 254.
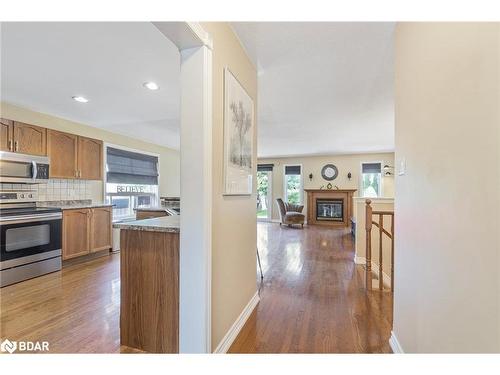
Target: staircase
x: 369, y: 223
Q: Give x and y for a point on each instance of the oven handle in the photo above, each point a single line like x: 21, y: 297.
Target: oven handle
x: 29, y: 219
x: 35, y: 169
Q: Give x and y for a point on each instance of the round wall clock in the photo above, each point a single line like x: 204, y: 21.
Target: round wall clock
x: 329, y: 172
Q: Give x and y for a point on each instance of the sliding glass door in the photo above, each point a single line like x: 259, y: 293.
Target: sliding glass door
x: 264, y: 195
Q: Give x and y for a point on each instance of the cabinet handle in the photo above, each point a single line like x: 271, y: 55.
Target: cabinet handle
x: 10, y: 145
x: 16, y: 146
x: 80, y: 174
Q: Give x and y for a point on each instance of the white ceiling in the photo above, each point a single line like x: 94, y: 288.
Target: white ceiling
x: 44, y: 64
x: 324, y: 88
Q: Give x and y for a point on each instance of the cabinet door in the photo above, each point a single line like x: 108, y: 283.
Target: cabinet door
x: 62, y: 149
x: 30, y: 139
x: 100, y: 228
x: 76, y: 233
x: 6, y: 136
x: 89, y: 158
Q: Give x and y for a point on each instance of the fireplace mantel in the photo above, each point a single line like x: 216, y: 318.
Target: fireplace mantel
x: 335, y: 194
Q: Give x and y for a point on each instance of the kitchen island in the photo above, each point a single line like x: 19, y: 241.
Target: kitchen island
x: 149, y: 272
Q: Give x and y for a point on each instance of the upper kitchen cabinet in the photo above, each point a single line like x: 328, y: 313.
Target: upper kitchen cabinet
x: 89, y: 158
x: 6, y: 135
x: 22, y: 138
x: 62, y: 148
x: 29, y: 139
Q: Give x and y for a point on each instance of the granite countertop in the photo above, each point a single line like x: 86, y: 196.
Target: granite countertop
x: 74, y: 204
x: 158, y: 224
x: 170, y: 210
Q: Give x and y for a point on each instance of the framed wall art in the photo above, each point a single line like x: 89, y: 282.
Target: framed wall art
x: 238, y: 137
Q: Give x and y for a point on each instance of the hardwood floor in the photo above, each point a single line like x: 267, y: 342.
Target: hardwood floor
x: 76, y: 310
x: 312, y: 299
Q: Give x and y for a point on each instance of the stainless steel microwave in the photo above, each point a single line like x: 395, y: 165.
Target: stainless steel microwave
x: 23, y: 169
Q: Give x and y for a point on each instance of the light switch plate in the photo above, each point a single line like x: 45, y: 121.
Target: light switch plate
x: 402, y: 167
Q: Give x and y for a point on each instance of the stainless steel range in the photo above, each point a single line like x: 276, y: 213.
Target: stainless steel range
x: 30, y: 237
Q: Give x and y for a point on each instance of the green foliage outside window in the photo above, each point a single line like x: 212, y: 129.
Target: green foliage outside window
x: 262, y: 191
x: 293, y: 189
x: 371, y: 185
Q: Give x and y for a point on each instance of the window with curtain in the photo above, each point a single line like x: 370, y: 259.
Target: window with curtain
x: 293, y: 184
x: 131, y: 181
x: 371, y: 179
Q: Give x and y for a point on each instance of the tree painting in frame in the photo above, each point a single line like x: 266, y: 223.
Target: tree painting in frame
x: 238, y: 137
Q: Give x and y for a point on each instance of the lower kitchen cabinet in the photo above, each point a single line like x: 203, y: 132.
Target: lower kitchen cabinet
x: 85, y: 231
x: 101, y: 232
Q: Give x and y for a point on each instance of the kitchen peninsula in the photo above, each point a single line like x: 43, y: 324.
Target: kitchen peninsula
x: 149, y: 271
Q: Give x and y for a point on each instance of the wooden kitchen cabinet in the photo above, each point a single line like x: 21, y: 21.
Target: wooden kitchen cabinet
x: 71, y: 155
x: 76, y: 233
x: 101, y: 231
x: 86, y: 231
x: 62, y: 149
x: 30, y: 139
x: 6, y: 135
x: 90, y: 158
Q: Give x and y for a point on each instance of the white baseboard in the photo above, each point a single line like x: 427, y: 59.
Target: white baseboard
x: 395, y: 345
x: 385, y: 277
x: 235, y: 329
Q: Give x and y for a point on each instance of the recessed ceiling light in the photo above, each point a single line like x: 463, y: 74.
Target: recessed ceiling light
x: 80, y: 99
x: 151, y: 85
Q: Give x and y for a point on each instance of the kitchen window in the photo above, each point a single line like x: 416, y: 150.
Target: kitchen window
x: 131, y: 181
x: 371, y: 180
x: 293, y: 184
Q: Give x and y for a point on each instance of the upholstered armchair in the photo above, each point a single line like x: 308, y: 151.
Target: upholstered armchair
x: 290, y: 213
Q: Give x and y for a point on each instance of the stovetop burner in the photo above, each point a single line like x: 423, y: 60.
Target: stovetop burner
x: 22, y: 203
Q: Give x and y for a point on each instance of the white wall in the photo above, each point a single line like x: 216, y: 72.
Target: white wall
x: 447, y: 285
x: 234, y: 222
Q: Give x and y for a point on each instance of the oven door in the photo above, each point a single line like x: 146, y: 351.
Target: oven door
x: 29, y: 239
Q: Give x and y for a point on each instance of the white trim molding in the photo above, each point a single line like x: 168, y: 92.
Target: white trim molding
x: 362, y: 200
x: 195, y: 263
x: 386, y: 277
x: 185, y: 35
x: 395, y: 345
x: 235, y: 329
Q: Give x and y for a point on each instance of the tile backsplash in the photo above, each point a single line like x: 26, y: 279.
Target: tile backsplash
x: 56, y: 189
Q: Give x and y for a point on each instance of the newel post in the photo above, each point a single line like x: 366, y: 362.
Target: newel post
x: 368, y: 227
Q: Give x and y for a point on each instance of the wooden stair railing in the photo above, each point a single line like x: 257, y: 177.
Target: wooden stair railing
x: 380, y: 224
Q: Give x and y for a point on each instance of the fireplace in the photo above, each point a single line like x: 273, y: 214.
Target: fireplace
x: 330, y: 209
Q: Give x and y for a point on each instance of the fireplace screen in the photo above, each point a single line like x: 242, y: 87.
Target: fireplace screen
x: 330, y: 209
